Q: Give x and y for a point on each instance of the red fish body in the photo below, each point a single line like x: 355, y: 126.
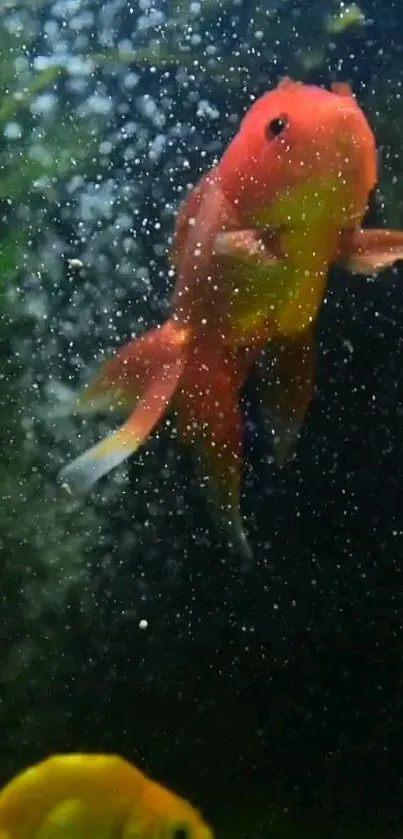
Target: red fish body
x: 252, y: 248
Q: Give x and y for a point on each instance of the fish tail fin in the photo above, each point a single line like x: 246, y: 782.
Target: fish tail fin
x: 210, y: 421
x: 145, y: 373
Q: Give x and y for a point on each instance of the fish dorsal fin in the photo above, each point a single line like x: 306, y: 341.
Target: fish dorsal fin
x: 286, y: 83
x: 341, y: 89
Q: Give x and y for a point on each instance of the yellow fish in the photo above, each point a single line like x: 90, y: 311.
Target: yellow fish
x: 94, y: 796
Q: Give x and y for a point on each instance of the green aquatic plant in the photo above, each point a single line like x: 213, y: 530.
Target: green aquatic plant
x: 41, y: 570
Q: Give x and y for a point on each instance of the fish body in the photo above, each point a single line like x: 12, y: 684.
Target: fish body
x: 252, y: 248
x: 76, y: 796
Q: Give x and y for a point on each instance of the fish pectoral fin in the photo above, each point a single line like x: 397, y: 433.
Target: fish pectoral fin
x: 68, y: 818
x: 210, y: 422
x: 366, y: 251
x: 286, y: 390
x: 81, y: 474
x: 249, y: 247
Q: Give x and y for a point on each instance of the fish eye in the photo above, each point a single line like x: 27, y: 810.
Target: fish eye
x: 179, y: 831
x: 276, y: 127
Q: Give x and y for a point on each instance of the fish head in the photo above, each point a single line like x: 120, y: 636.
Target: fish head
x: 303, y: 155
x: 165, y: 815
x: 192, y: 827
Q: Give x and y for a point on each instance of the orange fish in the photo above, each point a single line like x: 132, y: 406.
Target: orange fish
x: 252, y: 248
x: 77, y: 796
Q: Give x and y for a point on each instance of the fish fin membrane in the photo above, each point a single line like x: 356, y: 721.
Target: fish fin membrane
x: 68, y: 818
x: 123, y: 378
x: 286, y: 390
x: 369, y: 251
x: 153, y: 366
x: 287, y: 83
x: 341, y: 89
x: 210, y: 422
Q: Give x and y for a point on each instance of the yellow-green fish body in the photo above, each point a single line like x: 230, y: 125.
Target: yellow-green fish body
x: 94, y: 796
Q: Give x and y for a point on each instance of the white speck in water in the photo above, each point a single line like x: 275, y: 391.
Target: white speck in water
x: 75, y: 264
x: 13, y: 131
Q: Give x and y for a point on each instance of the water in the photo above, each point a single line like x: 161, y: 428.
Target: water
x: 271, y: 698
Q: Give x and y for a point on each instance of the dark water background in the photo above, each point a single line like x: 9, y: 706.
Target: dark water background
x: 249, y: 693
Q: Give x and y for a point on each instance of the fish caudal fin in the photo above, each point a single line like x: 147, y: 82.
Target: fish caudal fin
x: 287, y: 390
x: 146, y: 371
x: 209, y: 420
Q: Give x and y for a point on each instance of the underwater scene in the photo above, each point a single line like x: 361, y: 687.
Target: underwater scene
x: 201, y: 480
